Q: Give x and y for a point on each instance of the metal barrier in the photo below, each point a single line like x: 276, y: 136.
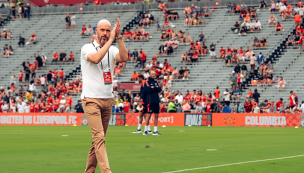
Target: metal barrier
x: 141, y: 6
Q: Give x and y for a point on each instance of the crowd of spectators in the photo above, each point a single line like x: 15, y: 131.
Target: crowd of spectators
x: 6, y: 34
x: 54, y: 95
x: 138, y: 34
x: 199, y: 102
x: 63, y: 57
x: 23, y: 10
x: 54, y: 85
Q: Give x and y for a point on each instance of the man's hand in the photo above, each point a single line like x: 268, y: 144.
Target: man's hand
x: 113, y: 33
x: 118, y: 28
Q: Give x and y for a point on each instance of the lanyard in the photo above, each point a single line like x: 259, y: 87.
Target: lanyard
x: 108, y: 58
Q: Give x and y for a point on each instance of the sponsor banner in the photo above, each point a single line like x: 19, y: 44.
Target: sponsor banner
x: 167, y: 119
x: 129, y: 86
x: 117, y: 120
x: 198, y: 119
x: 256, y: 120
x: 42, y: 119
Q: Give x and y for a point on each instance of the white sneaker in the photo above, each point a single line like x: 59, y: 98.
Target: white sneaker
x: 245, y: 33
x: 239, y: 33
x: 183, y: 78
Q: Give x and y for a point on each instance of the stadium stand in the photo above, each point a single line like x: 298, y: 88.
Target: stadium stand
x: 205, y: 75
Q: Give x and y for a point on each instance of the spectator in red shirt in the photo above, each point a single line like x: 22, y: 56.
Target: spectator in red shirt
x: 217, y: 93
x: 248, y: 106
x: 69, y: 100
x: 126, y: 35
x: 61, y: 75
x: 300, y: 3
x: 55, y: 57
x: 13, y: 87
x: 161, y: 6
x: 126, y: 106
x: 134, y: 76
x: 143, y: 57
x: 208, y: 107
x: 222, y: 53
x: 293, y: 99
x: 33, y: 37
x: 154, y: 59
x: 71, y: 57
x: 83, y: 30
x: 278, y: 27
x: 20, y: 76
x: 162, y: 107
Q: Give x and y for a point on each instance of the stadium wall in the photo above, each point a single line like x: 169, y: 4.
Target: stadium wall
x: 165, y: 119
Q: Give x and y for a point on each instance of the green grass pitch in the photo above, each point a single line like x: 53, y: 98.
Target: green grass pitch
x: 33, y: 149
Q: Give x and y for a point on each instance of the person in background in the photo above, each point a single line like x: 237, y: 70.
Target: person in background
x: 67, y: 22
x: 226, y: 109
x: 255, y: 109
x: 73, y: 21
x: 32, y: 38
x: 62, y: 105
x: 171, y: 107
x: 238, y: 108
x: 89, y: 31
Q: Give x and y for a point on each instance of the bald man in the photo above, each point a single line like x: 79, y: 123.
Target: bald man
x: 97, y: 66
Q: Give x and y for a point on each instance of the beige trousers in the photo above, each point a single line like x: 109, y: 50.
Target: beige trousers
x: 98, y: 113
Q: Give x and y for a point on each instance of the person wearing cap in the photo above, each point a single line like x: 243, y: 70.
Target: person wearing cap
x: 298, y: 19
x: 278, y: 27
x: 4, y: 33
x: 233, y: 80
x: 236, y: 27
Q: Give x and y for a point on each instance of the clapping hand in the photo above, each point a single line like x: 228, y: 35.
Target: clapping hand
x: 118, y: 28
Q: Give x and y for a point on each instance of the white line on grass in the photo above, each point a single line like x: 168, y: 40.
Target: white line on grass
x: 239, y: 163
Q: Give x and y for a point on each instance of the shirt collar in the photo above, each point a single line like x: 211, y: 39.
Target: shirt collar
x: 96, y: 44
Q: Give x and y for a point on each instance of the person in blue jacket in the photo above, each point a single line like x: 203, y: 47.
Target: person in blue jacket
x: 238, y: 108
x: 151, y: 99
x: 226, y: 109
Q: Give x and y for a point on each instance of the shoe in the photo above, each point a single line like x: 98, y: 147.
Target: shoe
x: 245, y: 33
x: 156, y: 133
x: 239, y: 33
x: 150, y: 132
x: 137, y: 131
x: 145, y: 133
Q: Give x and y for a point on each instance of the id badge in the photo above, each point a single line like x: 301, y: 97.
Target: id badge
x: 107, y: 77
